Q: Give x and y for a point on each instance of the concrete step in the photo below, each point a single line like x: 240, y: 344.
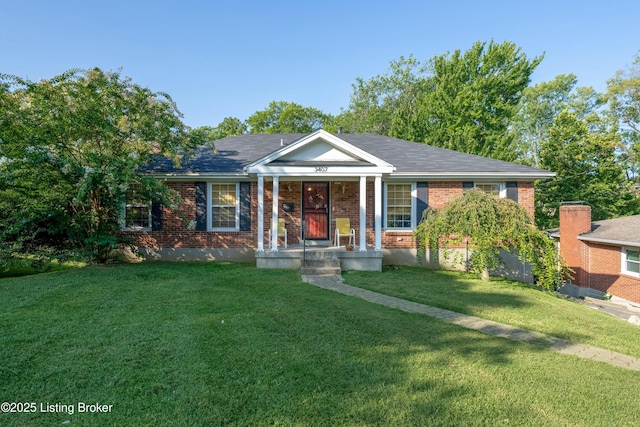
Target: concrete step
x: 326, y: 266
x: 316, y: 243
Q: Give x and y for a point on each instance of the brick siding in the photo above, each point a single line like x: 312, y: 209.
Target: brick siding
x: 344, y: 203
x: 596, y: 266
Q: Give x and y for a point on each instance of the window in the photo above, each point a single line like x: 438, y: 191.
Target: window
x: 137, y: 210
x: 492, y: 188
x: 224, y: 206
x: 400, y: 207
x: 631, y: 261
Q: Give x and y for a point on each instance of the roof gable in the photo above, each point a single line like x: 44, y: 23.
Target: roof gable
x: 319, y: 147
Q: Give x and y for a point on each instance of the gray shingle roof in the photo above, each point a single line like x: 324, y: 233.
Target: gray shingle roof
x: 234, y: 153
x: 622, y: 231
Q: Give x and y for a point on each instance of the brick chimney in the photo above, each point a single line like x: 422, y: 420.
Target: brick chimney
x: 575, y: 220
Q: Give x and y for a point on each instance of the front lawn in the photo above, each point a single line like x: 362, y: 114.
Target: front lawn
x: 504, y: 301
x: 201, y: 344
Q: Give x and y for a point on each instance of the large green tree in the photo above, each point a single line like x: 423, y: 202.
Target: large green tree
x: 289, y: 117
x: 624, y: 102
x: 539, y: 106
x: 71, y: 147
x: 490, y: 224
x: 462, y: 101
x: 582, y: 153
x: 229, y: 126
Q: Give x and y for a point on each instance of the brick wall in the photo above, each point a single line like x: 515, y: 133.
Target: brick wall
x: 344, y: 203
x: 604, y: 265
x: 575, y: 220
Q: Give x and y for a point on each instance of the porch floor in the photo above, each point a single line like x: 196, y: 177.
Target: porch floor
x: 294, y: 256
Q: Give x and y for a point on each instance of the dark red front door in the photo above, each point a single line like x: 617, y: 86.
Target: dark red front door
x: 315, y: 210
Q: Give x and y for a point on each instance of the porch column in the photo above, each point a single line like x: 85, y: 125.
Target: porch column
x: 260, y: 213
x: 363, y: 213
x: 378, y: 211
x: 274, y: 216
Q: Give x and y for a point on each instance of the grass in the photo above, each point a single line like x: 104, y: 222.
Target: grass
x: 200, y: 344
x: 26, y: 270
x: 505, y: 301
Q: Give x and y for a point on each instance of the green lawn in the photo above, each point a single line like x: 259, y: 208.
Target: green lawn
x: 505, y: 301
x: 208, y: 344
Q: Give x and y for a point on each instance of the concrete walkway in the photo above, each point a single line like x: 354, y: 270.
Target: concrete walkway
x: 335, y: 283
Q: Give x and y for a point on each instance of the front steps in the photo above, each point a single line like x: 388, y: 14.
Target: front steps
x: 320, y: 263
x: 321, y: 267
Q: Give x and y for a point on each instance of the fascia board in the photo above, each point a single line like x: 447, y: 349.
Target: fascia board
x: 320, y: 171
x: 473, y: 175
x: 608, y: 241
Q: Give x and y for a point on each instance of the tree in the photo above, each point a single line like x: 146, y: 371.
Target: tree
x: 538, y: 108
x: 72, y: 146
x: 623, y: 93
x: 489, y: 224
x: 374, y: 102
x: 288, y: 117
x: 582, y: 152
x: 460, y: 101
x: 229, y: 126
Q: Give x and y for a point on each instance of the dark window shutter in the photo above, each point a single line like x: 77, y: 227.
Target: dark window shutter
x: 468, y: 185
x: 245, y: 206
x: 201, y: 206
x: 156, y: 216
x: 422, y: 199
x: 512, y: 190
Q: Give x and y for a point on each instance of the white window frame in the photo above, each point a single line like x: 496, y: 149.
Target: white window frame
x: 624, y: 261
x: 210, y: 207
x: 413, y: 206
x: 123, y: 219
x: 502, y: 187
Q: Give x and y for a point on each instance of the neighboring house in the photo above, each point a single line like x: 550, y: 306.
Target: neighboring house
x: 603, y: 254
x: 381, y: 184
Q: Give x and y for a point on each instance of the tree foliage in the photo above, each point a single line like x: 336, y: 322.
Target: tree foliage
x: 539, y: 106
x: 229, y: 126
x: 288, y: 117
x: 71, y: 147
x: 490, y: 224
x: 624, y: 103
x: 462, y: 101
x: 583, y: 155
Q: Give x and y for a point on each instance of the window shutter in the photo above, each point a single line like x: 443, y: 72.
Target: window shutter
x: 512, y: 190
x: 422, y: 199
x: 156, y: 216
x: 467, y: 185
x: 201, y: 206
x: 245, y: 206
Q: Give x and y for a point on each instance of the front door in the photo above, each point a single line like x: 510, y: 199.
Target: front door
x: 315, y: 210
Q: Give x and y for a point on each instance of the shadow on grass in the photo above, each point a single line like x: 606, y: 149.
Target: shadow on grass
x: 227, y: 344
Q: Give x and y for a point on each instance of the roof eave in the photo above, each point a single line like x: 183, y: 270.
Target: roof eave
x: 608, y: 241
x: 475, y: 175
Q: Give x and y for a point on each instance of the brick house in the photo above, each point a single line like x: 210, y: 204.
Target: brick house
x: 233, y: 194
x: 603, y: 254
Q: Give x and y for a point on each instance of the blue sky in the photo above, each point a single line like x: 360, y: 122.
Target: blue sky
x: 220, y: 59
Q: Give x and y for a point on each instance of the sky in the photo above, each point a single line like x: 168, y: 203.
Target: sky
x: 231, y: 58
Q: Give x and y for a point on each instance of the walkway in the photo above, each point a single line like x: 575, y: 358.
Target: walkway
x: 335, y: 283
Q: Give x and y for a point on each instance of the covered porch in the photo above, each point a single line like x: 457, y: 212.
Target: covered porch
x: 312, y: 185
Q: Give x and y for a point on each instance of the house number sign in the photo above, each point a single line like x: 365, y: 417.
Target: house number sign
x: 322, y: 169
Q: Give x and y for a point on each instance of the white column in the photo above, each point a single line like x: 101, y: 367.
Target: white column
x: 363, y: 213
x: 378, y: 212
x: 260, y: 213
x: 274, y: 216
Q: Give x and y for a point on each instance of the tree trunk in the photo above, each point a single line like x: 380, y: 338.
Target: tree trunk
x: 485, y: 275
